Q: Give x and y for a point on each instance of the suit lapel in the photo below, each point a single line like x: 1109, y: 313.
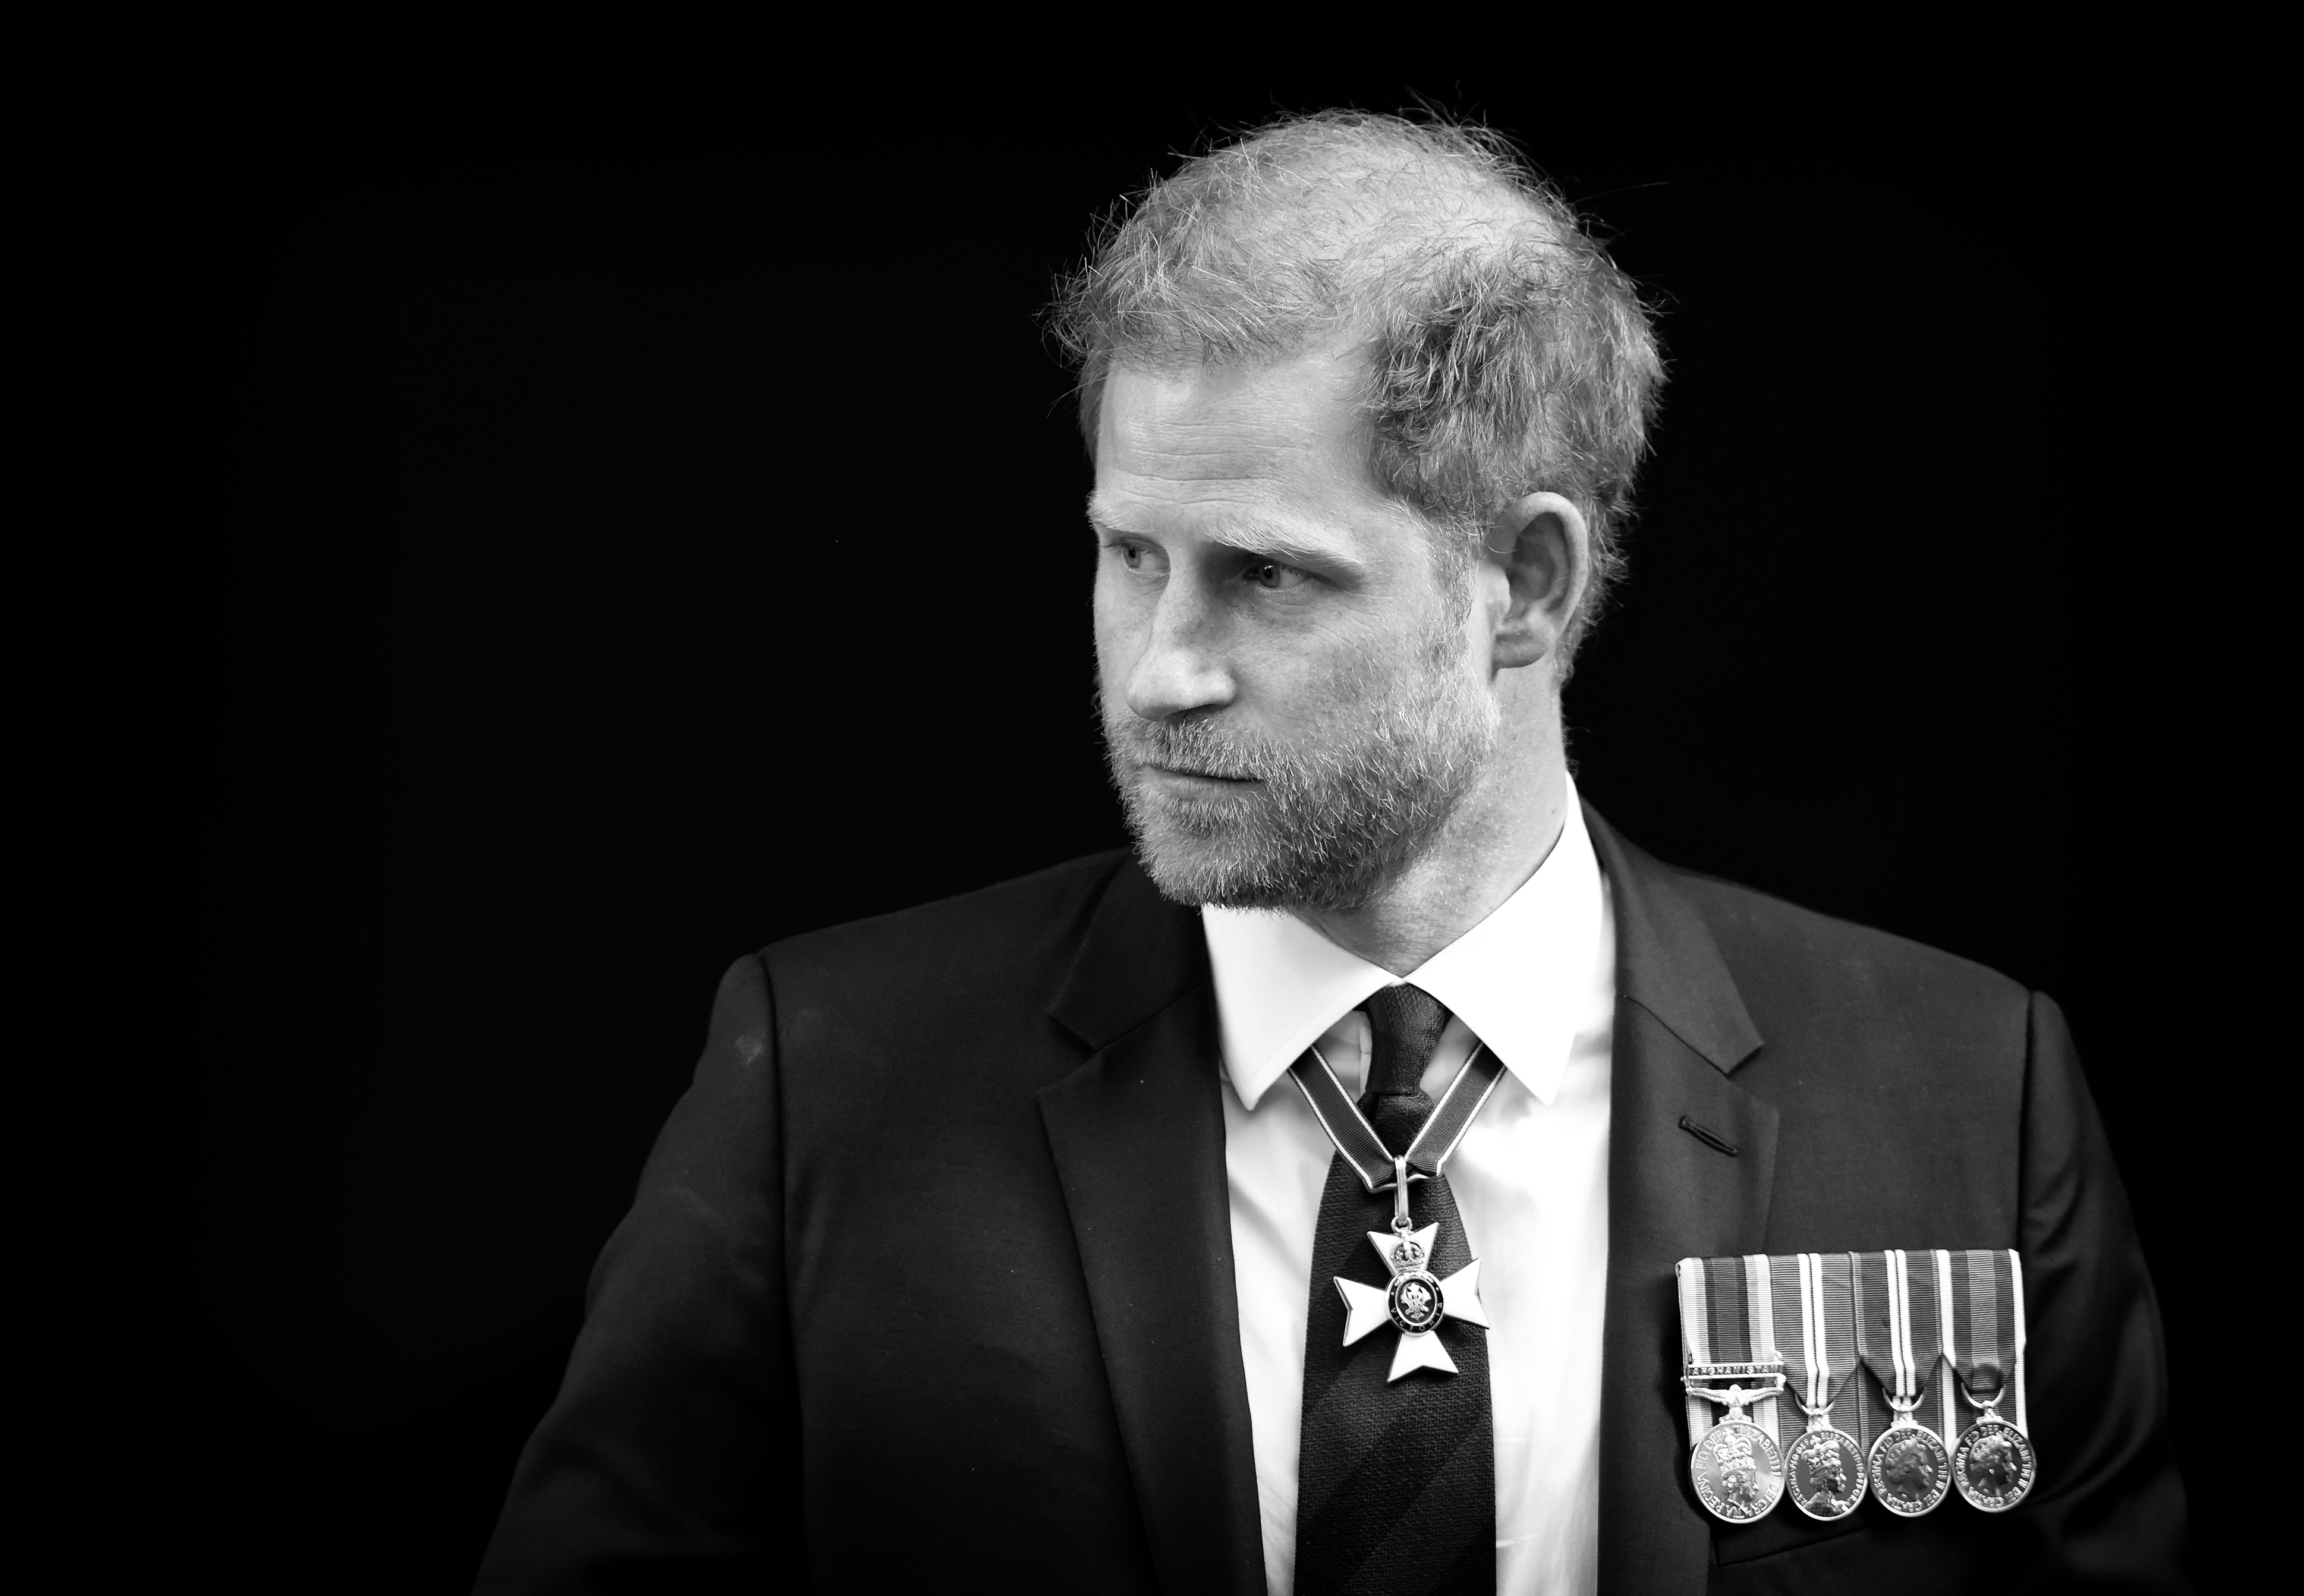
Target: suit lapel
x: 1138, y: 1137
x: 1681, y: 1029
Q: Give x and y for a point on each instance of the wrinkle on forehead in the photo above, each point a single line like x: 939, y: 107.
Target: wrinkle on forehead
x: 1298, y: 418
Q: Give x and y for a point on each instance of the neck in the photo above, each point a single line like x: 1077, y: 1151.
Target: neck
x: 1500, y: 834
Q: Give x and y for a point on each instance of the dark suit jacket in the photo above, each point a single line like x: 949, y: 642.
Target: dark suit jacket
x: 928, y: 1281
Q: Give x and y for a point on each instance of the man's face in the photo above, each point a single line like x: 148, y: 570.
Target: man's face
x: 1293, y: 702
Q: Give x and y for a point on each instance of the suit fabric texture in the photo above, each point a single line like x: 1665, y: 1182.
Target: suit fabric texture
x: 928, y: 1281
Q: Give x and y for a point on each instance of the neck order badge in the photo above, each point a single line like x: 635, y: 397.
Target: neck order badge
x: 1816, y: 1327
x: 1396, y: 1473
x: 1900, y: 1334
x: 1993, y: 1465
x: 1416, y: 1302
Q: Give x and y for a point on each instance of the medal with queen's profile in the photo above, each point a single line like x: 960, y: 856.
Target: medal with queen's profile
x: 1994, y: 1465
x: 1824, y: 1472
x: 1736, y: 1466
x: 1738, y: 1469
x: 1910, y: 1468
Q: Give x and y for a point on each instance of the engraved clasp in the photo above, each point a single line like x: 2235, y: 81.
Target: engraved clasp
x: 1702, y: 1380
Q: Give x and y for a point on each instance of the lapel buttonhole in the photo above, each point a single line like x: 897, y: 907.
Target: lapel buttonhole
x: 1711, y: 1139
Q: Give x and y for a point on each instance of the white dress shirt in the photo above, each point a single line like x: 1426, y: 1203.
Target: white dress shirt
x: 1537, y: 982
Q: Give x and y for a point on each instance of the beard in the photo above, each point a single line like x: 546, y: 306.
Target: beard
x: 1329, y: 821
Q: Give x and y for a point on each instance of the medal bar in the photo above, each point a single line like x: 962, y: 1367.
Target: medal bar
x: 1942, y: 1334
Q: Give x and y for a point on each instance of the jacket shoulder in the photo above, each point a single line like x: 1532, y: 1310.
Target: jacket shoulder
x: 1772, y: 940
x: 1815, y: 984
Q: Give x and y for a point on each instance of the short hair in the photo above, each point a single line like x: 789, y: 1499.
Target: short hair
x: 1507, y: 355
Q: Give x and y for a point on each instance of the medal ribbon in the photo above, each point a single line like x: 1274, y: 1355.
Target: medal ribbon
x: 1899, y: 1314
x: 1728, y: 1315
x: 1364, y: 1149
x: 1816, y: 1325
x: 1985, y: 1343
x: 1899, y: 1320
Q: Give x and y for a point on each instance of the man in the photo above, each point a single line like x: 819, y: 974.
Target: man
x: 1013, y: 1240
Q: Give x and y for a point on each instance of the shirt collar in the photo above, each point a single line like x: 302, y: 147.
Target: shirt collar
x: 1514, y: 979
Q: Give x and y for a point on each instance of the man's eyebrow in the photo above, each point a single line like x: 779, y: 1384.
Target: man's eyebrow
x: 1284, y: 539
x: 1290, y: 542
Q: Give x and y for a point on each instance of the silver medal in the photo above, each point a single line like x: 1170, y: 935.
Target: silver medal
x: 1994, y: 1465
x: 1824, y: 1471
x: 1739, y: 1470
x: 1737, y: 1467
x: 1414, y: 1302
x: 1910, y: 1468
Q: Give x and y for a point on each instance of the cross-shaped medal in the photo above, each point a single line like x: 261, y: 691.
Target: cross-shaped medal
x: 1415, y: 1302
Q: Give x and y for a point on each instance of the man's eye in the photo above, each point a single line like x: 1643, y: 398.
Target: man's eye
x: 1272, y: 574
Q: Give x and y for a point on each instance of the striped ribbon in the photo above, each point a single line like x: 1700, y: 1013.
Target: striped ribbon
x: 1435, y: 1139
x: 1898, y: 1315
x: 1984, y: 1331
x: 1902, y: 1303
x: 1815, y: 1329
x: 1728, y: 1315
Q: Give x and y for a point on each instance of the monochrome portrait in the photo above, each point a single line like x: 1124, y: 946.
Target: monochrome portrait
x: 1238, y: 842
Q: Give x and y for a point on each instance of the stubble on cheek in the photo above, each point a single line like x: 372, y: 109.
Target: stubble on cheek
x: 1333, y: 812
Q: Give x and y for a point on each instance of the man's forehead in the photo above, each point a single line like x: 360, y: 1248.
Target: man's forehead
x: 1251, y: 454
x: 1239, y: 419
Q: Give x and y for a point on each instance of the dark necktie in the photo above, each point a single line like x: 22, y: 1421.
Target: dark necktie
x: 1396, y: 1480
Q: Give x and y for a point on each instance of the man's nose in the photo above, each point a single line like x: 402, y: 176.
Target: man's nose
x: 1182, y: 667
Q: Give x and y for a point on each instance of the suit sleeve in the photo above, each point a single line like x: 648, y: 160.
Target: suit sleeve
x: 670, y: 1459
x: 2108, y: 1505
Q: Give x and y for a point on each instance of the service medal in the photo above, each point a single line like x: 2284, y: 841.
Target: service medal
x: 1899, y: 1331
x: 1815, y: 1311
x: 1993, y: 1465
x: 1737, y: 1468
x: 1729, y: 1340
x: 1910, y: 1468
x: 1825, y: 1472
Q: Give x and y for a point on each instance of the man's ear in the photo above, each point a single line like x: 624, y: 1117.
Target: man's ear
x: 1541, y: 545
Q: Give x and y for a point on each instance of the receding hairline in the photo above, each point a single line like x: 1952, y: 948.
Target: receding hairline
x: 1511, y: 353
x: 1369, y: 205
x: 1372, y: 191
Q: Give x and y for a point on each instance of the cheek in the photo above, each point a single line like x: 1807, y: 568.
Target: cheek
x: 1323, y: 677
x: 1114, y: 627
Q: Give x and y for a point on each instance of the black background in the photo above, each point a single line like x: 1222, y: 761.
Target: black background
x: 610, y: 537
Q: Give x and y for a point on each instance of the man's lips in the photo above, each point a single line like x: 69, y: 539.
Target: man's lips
x: 1183, y: 776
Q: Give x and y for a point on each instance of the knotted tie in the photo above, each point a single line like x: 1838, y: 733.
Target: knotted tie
x: 1395, y: 1481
